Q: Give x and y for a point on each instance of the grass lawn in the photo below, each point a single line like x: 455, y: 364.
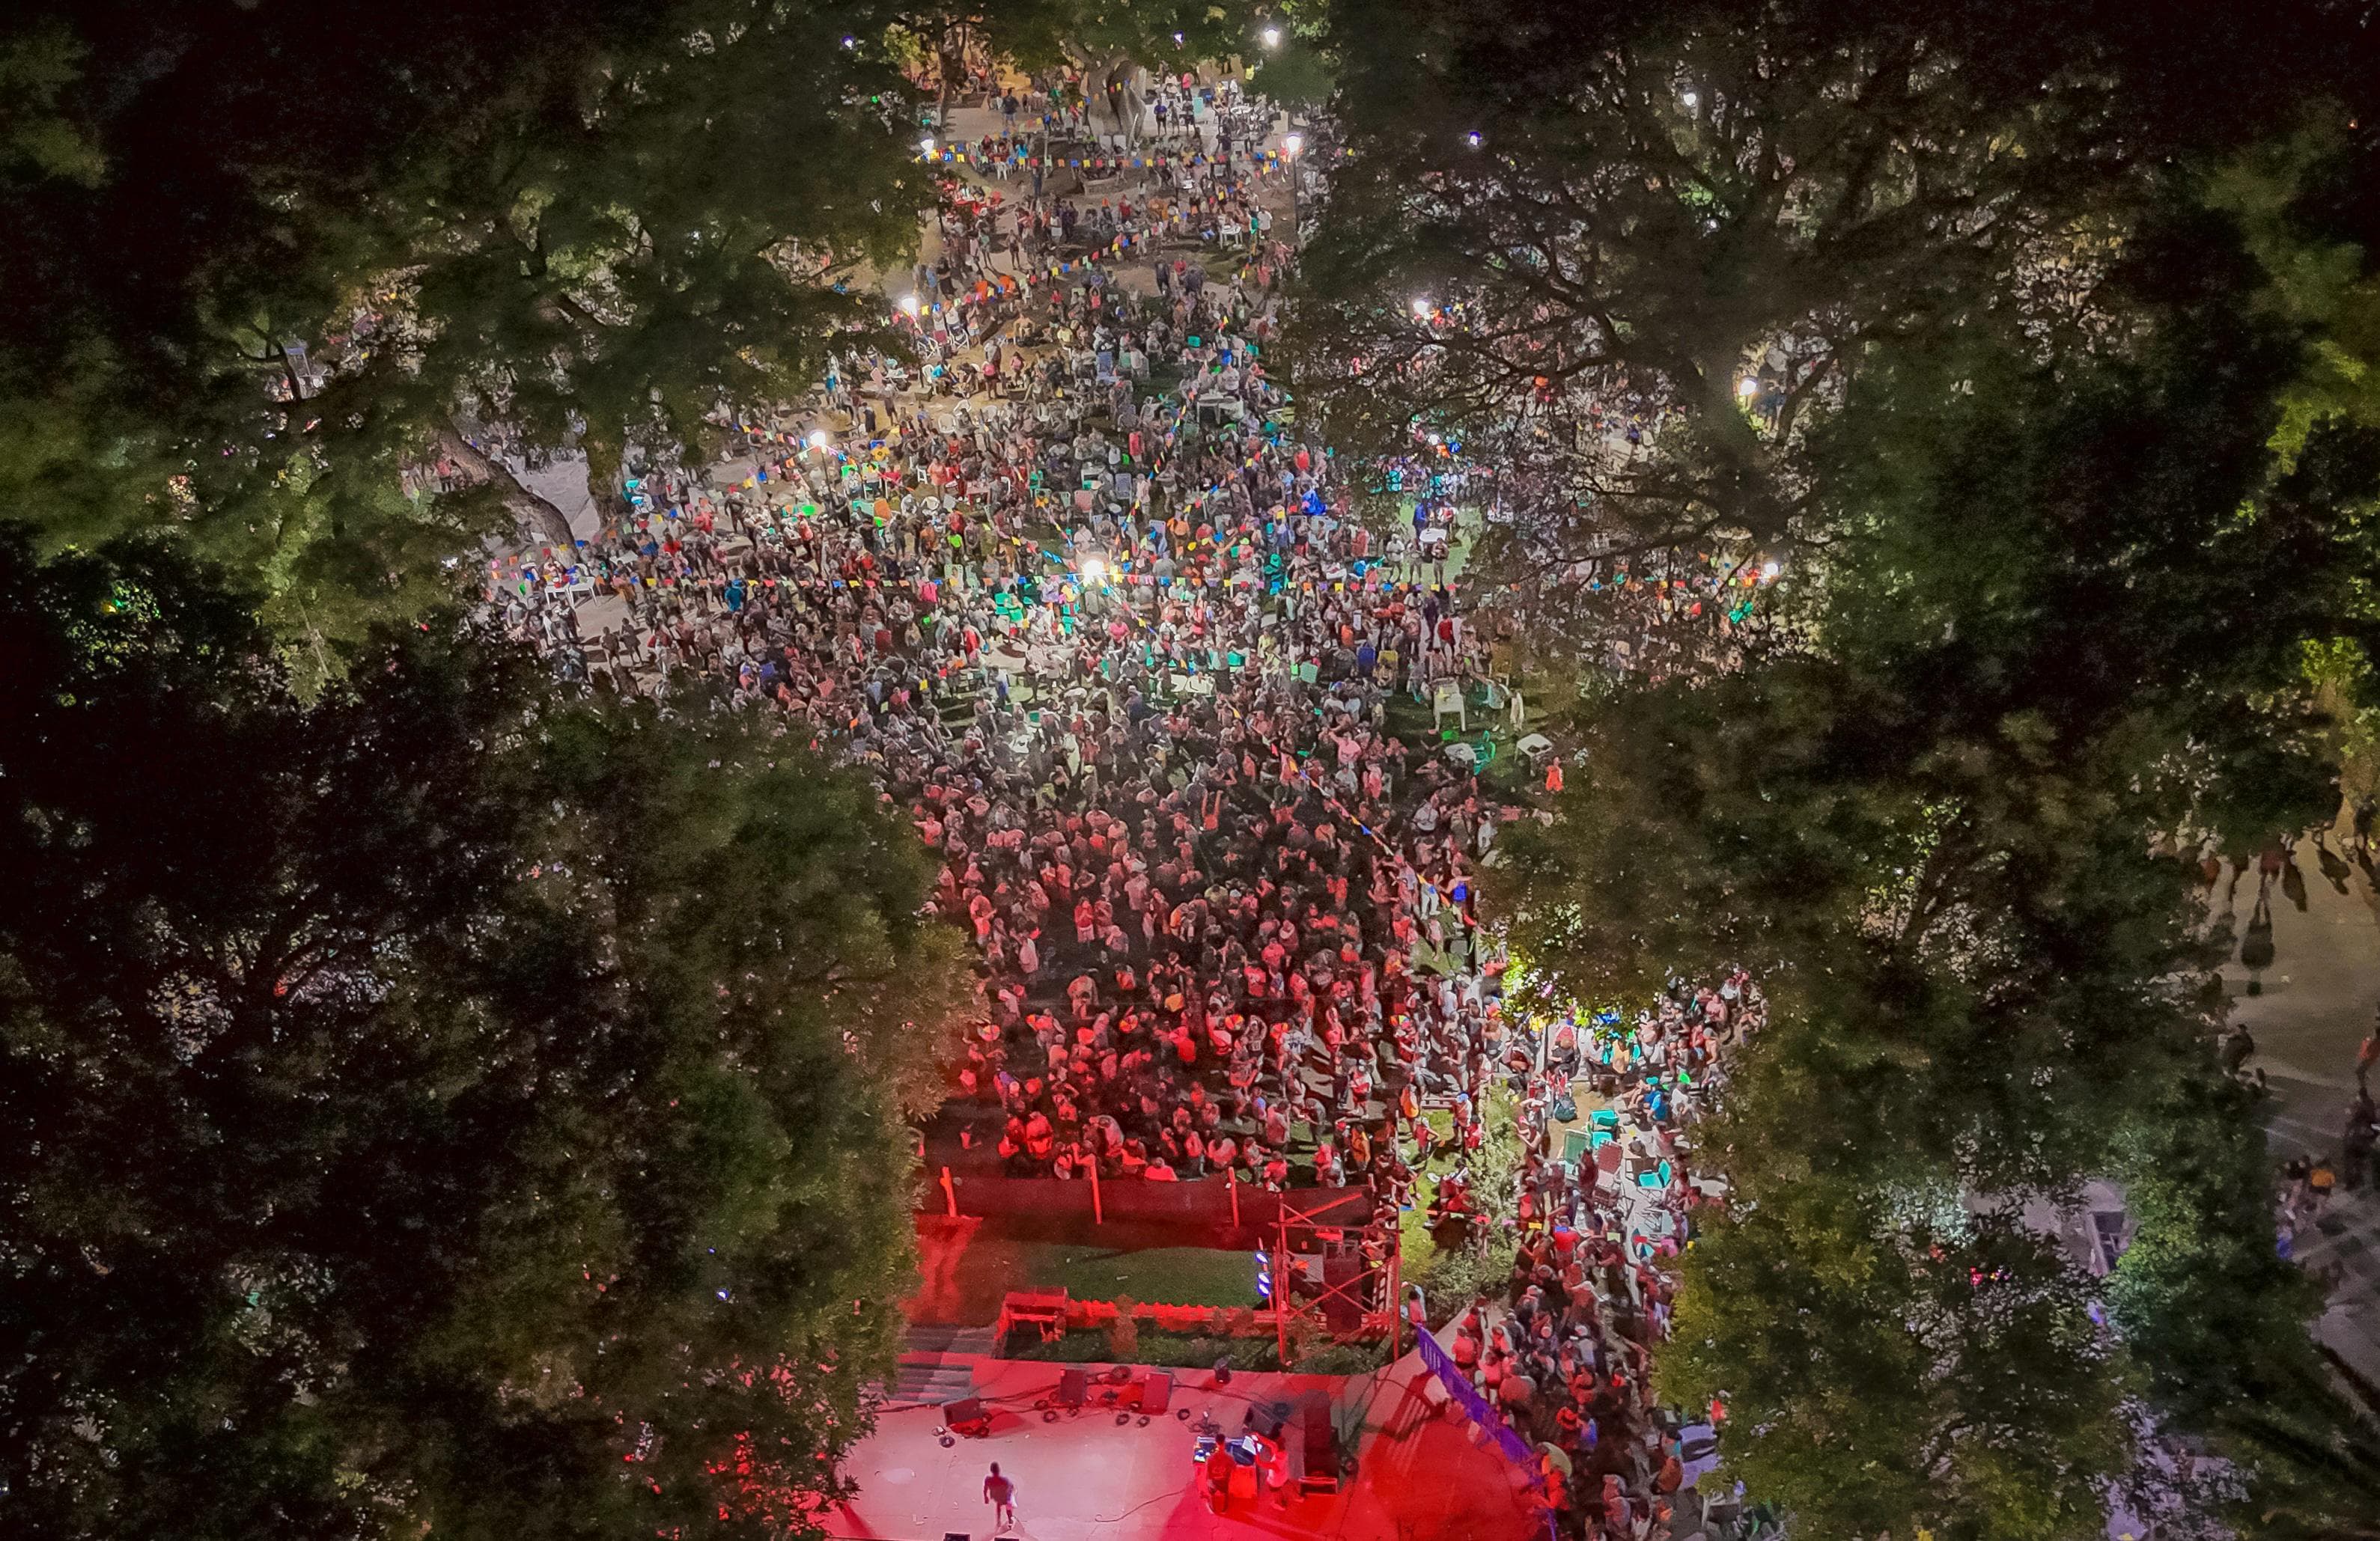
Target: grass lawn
x: 1168, y: 1276
x: 1186, y: 1351
x: 989, y: 1267
x: 1424, y: 1263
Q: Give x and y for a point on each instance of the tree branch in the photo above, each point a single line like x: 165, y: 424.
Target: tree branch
x: 538, y: 513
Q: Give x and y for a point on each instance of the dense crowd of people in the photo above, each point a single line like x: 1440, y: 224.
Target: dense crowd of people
x: 1568, y: 1357
x: 1081, y: 601
x: 1127, y: 661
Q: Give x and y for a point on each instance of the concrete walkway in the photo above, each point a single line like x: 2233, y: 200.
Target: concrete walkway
x: 2317, y: 1003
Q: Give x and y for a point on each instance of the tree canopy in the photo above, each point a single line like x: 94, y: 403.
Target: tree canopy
x: 1546, y: 210
x: 436, y: 1106
x: 419, y: 226
x: 2041, y: 365
x: 1951, y: 821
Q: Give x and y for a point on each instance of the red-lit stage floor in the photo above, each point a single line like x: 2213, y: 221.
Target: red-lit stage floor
x: 1418, y: 1477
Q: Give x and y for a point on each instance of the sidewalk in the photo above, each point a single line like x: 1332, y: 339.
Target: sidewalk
x: 2345, y: 1241
x: 2315, y: 1006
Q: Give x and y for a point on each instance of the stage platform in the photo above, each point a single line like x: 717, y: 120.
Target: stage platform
x: 1419, y: 1476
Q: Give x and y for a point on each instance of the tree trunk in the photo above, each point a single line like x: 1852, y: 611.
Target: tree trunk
x: 1114, y: 75
x: 607, y: 461
x: 541, y: 516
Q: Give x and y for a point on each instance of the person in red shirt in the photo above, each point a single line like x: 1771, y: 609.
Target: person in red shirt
x: 1219, y: 1479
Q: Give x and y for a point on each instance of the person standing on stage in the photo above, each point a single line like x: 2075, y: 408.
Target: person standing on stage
x: 1001, y: 1493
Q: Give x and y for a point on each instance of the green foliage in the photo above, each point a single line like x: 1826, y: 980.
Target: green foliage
x: 2316, y: 278
x: 1298, y: 74
x: 2201, y: 1294
x: 1450, y: 1279
x: 2059, y: 625
x: 594, y: 235
x: 1343, y: 1359
x: 1661, y: 200
x: 1091, y: 34
x: 39, y: 66
x: 1931, y: 1367
x: 436, y: 1107
x: 1165, y: 1349
x: 599, y: 236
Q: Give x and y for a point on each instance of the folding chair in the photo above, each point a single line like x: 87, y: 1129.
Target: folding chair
x: 1446, y: 696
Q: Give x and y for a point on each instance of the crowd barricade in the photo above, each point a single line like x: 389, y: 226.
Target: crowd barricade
x: 1475, y: 1406
x: 1052, y: 1313
x: 1208, y: 1202
x: 1089, y: 1315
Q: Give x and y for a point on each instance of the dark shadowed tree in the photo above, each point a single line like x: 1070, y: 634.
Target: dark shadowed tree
x: 1551, y: 217
x: 1951, y: 821
x: 496, y: 226
x: 435, y: 1107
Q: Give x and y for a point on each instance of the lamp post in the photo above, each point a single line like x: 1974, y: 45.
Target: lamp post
x: 1289, y: 146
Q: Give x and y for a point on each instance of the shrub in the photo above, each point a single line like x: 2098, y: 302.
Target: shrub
x: 1448, y: 1280
x: 1343, y: 1359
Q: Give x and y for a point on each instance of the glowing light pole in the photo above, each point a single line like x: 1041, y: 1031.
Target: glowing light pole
x: 1290, y: 147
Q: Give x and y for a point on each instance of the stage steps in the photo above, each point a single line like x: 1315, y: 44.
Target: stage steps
x: 933, y: 1364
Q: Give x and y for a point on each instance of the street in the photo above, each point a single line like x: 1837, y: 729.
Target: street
x: 2316, y: 1004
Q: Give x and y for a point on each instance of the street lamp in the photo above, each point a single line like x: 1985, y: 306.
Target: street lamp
x: 926, y: 144
x: 1272, y: 37
x: 1095, y: 569
x: 909, y: 306
x: 1747, y: 387
x: 1289, y: 146
x: 818, y: 439
x: 1421, y: 309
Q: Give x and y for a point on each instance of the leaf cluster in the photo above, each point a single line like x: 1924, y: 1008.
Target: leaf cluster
x: 433, y: 1107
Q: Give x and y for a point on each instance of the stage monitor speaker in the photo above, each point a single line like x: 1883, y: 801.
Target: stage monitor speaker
x: 1156, y: 1392
x: 1266, y: 1418
x: 965, y: 1411
x: 1344, y: 1308
x: 1073, y: 1388
x: 956, y: 1536
x: 1321, y: 1437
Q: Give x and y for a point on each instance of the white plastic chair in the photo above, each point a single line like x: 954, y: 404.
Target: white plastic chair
x: 1446, y: 696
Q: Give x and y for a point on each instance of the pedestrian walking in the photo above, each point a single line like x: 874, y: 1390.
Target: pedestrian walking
x: 1001, y: 1493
